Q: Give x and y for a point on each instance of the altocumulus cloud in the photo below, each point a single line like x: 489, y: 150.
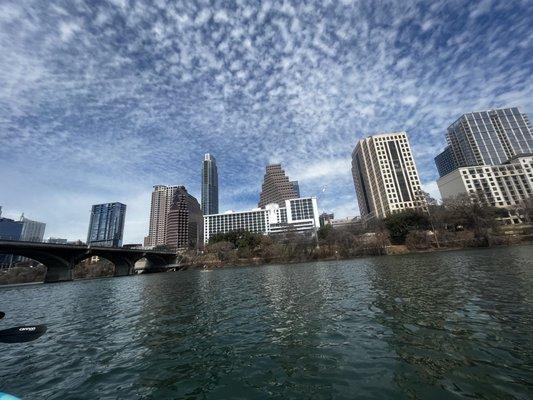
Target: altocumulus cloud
x: 101, y: 100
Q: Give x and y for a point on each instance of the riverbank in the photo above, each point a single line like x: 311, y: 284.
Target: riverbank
x: 208, y: 261
x: 390, y: 250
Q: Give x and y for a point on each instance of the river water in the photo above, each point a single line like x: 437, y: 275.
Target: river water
x: 437, y: 326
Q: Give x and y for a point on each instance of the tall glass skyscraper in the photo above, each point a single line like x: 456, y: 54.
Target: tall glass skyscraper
x: 209, y: 185
x: 445, y: 161
x: 106, y: 227
x: 490, y: 137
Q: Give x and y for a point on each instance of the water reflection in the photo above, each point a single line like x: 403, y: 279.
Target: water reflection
x: 444, y: 325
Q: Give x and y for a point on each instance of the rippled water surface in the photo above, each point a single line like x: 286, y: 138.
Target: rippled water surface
x: 437, y: 326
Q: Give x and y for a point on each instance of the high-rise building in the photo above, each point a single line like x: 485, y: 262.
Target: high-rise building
x: 32, y: 231
x: 10, y: 229
x: 385, y: 175
x: 276, y: 187
x: 296, y: 187
x: 445, y: 161
x: 209, y: 185
x: 184, y: 222
x: 106, y: 226
x: 508, y: 185
x: 297, y: 215
x: 162, y: 198
x: 486, y: 138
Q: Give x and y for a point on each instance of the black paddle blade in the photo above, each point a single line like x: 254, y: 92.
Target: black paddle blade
x: 21, y: 334
x: 2, y: 314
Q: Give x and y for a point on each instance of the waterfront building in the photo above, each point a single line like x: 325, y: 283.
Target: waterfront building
x: 32, y: 231
x: 325, y: 218
x: 297, y: 215
x: 486, y: 138
x: 184, y: 228
x: 508, y: 185
x: 277, y: 187
x: 106, y: 225
x: 162, y: 198
x: 209, y: 185
x: 385, y: 175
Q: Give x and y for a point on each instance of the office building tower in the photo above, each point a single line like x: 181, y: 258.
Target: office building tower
x: 209, y: 185
x: 276, y: 187
x: 106, y: 225
x: 385, y: 175
x: 184, y: 222
x: 296, y: 215
x: 489, y: 137
x: 32, y: 231
x: 296, y: 187
x: 508, y: 185
x: 162, y: 197
x: 445, y: 161
x: 9, y: 230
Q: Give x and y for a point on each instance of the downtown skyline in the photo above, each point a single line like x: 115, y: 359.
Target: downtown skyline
x: 253, y: 86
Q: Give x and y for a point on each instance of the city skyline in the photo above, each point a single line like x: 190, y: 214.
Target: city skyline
x: 287, y: 83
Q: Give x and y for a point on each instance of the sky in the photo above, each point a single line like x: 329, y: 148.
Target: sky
x: 101, y: 100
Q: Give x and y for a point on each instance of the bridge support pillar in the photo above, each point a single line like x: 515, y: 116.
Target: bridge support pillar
x: 57, y: 274
x: 123, y: 269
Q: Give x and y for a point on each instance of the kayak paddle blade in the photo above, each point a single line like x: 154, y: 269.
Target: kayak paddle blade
x: 20, y: 334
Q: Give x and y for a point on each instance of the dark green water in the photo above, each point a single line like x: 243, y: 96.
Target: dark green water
x: 435, y: 326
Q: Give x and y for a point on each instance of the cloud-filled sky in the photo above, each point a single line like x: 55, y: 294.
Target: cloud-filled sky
x: 101, y: 100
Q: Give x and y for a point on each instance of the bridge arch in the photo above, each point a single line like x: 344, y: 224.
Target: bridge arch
x: 122, y: 265
x: 58, y: 269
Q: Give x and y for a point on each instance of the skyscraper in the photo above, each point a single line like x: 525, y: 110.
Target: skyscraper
x: 10, y: 229
x: 385, y: 175
x: 209, y: 185
x: 106, y: 226
x: 489, y: 137
x: 445, y: 161
x: 276, y: 187
x: 162, y: 198
x: 296, y: 187
x: 32, y: 231
x: 185, y: 222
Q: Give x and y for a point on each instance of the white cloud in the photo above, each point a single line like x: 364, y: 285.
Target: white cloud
x: 112, y: 109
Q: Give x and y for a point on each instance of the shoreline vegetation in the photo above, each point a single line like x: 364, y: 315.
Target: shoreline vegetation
x: 455, y: 225
x: 458, y: 223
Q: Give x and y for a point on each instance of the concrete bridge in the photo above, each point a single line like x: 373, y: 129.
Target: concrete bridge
x: 60, y: 259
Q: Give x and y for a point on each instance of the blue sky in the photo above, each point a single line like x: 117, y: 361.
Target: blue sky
x: 99, y: 101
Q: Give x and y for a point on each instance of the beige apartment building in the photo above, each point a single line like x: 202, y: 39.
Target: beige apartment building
x: 385, y: 176
x: 508, y: 185
x: 162, y: 198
